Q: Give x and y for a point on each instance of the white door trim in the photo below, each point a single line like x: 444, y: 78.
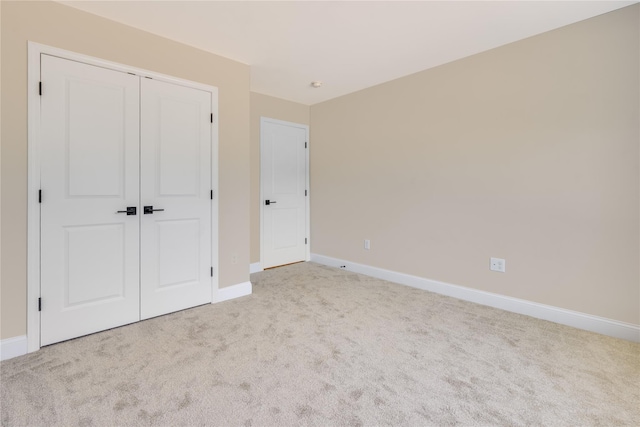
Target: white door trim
x: 264, y: 120
x: 35, y: 50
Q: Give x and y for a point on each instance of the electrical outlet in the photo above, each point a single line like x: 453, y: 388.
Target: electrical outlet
x: 234, y: 258
x: 367, y: 244
x: 498, y: 264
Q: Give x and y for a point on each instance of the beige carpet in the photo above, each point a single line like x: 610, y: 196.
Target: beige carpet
x: 324, y: 347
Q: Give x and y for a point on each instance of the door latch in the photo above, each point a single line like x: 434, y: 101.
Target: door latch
x: 149, y: 210
x: 131, y: 210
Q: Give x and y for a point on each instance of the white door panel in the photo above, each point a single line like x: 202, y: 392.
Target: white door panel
x: 105, y: 266
x: 178, y: 252
x: 89, y: 253
x: 175, y: 177
x: 179, y: 139
x: 285, y: 224
x: 283, y: 181
x: 95, y: 164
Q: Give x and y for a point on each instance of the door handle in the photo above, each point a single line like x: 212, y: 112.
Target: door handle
x: 149, y: 210
x: 131, y: 210
x: 269, y: 202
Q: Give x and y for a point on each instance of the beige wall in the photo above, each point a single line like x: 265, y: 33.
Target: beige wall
x: 529, y: 152
x: 273, y: 108
x: 63, y: 27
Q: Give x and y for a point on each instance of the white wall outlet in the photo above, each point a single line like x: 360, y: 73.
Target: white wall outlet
x: 498, y: 264
x: 234, y: 258
x: 367, y: 244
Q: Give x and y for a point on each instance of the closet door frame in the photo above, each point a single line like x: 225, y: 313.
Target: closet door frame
x: 35, y: 51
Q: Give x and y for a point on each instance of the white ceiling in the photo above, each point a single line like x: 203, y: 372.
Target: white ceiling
x: 349, y: 45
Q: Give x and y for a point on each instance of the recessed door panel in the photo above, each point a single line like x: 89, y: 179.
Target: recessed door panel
x: 176, y: 181
x: 285, y: 228
x: 95, y: 264
x: 95, y: 138
x: 178, y: 252
x: 286, y: 160
x: 89, y: 172
x: 179, y: 143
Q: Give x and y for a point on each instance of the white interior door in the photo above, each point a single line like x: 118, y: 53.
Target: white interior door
x: 176, y: 183
x: 283, y: 172
x: 89, y: 172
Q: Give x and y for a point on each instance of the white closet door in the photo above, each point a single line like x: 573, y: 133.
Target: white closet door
x: 176, y: 182
x: 90, y: 165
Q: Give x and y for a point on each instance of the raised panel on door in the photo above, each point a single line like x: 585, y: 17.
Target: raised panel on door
x: 283, y: 176
x: 89, y: 171
x: 176, y: 181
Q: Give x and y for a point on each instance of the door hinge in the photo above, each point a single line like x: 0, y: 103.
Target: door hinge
x: 39, y: 304
x: 305, y: 240
x: 211, y: 271
x: 39, y: 196
x: 211, y: 194
x: 305, y: 144
x: 40, y: 88
x: 305, y: 193
x: 211, y: 117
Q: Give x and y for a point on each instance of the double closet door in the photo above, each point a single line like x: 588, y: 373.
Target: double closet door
x: 126, y: 213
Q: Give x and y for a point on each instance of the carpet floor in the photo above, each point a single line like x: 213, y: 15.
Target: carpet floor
x: 318, y: 346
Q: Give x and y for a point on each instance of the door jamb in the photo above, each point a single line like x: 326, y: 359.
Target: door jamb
x: 264, y: 120
x: 34, y: 52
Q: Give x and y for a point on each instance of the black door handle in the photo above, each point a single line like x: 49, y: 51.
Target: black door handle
x: 149, y: 210
x: 269, y: 202
x: 131, y: 210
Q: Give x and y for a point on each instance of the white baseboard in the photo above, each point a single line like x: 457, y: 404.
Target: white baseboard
x: 235, y: 291
x: 13, y: 347
x: 256, y: 267
x: 575, y: 319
